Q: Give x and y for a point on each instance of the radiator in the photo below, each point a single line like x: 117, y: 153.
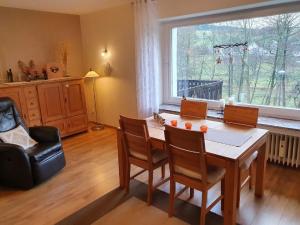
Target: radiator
x: 284, y: 149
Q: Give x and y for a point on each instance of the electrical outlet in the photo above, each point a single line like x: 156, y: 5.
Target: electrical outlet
x: 282, y: 148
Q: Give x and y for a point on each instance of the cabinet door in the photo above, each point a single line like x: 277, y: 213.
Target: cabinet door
x: 75, y: 100
x: 16, y: 94
x: 77, y: 124
x: 52, y: 102
x: 62, y: 125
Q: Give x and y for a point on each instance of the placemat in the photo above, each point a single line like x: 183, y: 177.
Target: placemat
x: 227, y: 137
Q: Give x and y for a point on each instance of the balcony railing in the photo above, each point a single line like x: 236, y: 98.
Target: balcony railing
x: 205, y: 89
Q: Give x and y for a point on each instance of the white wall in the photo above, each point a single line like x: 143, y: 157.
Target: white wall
x: 27, y: 34
x: 174, y: 8
x: 116, y: 94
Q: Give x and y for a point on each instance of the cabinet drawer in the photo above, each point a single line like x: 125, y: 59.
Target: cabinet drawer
x: 32, y: 103
x: 34, y: 123
x: 77, y: 123
x: 33, y: 114
x: 30, y: 92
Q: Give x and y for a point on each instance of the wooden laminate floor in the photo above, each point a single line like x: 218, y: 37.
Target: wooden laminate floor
x: 92, y: 171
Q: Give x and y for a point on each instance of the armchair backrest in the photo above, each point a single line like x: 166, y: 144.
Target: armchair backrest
x: 9, y: 115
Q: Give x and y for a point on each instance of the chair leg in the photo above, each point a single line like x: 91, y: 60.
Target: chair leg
x: 251, y: 173
x: 127, y: 178
x: 192, y: 192
x: 172, y: 197
x: 203, y: 208
x: 163, y: 171
x: 238, y: 190
x: 150, y: 187
x: 222, y: 192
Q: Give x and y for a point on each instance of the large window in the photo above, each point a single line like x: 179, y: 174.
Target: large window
x: 254, y: 60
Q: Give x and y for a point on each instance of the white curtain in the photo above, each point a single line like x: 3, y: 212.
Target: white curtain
x: 147, y: 56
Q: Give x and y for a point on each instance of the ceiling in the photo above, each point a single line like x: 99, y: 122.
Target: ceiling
x: 63, y: 6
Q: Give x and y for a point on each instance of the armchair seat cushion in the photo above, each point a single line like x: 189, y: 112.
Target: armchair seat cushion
x: 42, y: 151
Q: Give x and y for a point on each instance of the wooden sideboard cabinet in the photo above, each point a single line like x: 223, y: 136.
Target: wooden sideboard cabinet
x: 63, y: 105
x: 59, y: 103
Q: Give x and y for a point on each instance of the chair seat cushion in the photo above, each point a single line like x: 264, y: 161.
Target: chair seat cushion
x: 248, y: 162
x: 214, y: 173
x: 157, y: 155
x: 42, y: 151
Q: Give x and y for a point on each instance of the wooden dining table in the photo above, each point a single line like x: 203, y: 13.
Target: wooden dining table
x: 219, y: 153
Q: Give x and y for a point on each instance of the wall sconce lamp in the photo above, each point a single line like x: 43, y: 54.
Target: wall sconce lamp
x: 104, y: 52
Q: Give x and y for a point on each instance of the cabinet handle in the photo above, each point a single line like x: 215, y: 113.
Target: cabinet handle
x: 67, y: 85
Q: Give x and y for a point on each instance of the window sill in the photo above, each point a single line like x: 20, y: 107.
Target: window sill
x: 265, y: 122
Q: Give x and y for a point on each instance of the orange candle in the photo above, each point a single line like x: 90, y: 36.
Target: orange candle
x: 188, y: 125
x: 203, y: 128
x: 174, y: 123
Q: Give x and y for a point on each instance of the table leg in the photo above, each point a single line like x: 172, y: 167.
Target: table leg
x: 260, y: 171
x: 121, y: 160
x: 231, y: 180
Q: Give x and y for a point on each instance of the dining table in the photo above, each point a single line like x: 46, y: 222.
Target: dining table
x: 227, y: 146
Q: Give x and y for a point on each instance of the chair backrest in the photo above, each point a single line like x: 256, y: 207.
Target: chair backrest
x: 196, y: 109
x: 241, y: 115
x: 9, y: 116
x: 136, y: 137
x: 186, y: 151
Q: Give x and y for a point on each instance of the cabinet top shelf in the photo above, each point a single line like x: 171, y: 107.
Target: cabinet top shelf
x: 35, y: 82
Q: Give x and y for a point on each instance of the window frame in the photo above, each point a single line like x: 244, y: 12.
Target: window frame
x: 233, y: 14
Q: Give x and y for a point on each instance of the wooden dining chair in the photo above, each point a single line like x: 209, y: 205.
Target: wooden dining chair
x: 246, y: 116
x: 187, y: 161
x: 194, y: 109
x: 139, y: 152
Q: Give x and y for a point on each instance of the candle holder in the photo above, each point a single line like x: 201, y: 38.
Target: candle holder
x: 222, y: 105
x: 221, y: 111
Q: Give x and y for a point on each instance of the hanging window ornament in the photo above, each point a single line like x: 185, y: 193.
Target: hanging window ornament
x: 229, y: 47
x: 219, y: 60
x: 230, y: 58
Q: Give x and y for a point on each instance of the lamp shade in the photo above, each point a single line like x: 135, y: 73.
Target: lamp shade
x: 91, y: 74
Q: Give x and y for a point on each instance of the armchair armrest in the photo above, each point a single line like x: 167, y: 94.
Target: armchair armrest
x: 9, y: 148
x: 45, y: 134
x: 15, y: 167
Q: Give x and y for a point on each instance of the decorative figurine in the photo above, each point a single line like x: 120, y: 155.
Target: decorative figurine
x: 10, y: 77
